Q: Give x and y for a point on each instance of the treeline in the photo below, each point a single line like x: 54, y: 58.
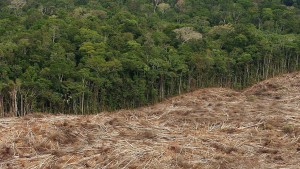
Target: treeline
x: 87, y: 56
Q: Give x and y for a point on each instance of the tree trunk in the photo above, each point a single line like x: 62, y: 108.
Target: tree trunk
x: 180, y: 84
x: 189, y: 82
x: 14, y: 103
x: 297, y: 62
x: 22, y: 106
x: 155, y: 3
x: 82, y: 97
x: 161, y: 86
x: 1, y: 106
x: 82, y: 103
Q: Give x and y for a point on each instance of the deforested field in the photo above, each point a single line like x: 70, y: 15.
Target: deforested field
x: 208, y: 128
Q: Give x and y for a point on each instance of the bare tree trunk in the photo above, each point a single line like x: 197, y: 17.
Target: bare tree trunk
x: 297, y: 62
x: 74, y: 109
x: 1, y: 106
x: 155, y: 3
x: 27, y: 105
x: 263, y: 67
x: 82, y: 103
x: 82, y: 97
x: 22, y: 106
x: 189, y: 82
x: 161, y: 85
x: 259, y: 23
x: 180, y: 84
x: 14, y: 103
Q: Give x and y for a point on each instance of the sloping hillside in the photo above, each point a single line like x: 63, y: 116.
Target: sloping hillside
x: 208, y: 128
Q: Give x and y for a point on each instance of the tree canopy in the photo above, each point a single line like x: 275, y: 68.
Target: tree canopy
x: 87, y: 56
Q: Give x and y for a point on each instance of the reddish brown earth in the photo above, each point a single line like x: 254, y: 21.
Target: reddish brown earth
x: 209, y: 128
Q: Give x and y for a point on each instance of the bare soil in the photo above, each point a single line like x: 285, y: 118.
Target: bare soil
x: 208, y: 128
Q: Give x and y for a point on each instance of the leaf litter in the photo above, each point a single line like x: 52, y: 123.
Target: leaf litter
x: 208, y: 128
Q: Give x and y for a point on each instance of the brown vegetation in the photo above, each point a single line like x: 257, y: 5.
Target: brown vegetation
x: 208, y: 128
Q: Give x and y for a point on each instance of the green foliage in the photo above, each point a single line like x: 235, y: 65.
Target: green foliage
x: 86, y: 56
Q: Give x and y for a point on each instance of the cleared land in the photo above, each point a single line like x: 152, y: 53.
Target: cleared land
x: 208, y: 128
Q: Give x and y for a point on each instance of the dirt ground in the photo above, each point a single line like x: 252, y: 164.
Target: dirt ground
x: 209, y: 128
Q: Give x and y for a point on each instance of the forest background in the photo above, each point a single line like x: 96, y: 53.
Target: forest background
x: 88, y: 56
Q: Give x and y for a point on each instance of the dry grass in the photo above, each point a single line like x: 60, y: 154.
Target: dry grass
x: 208, y: 128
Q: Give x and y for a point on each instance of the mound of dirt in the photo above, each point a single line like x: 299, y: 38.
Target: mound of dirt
x: 208, y: 128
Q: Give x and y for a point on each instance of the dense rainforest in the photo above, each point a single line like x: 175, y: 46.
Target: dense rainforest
x: 87, y: 56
